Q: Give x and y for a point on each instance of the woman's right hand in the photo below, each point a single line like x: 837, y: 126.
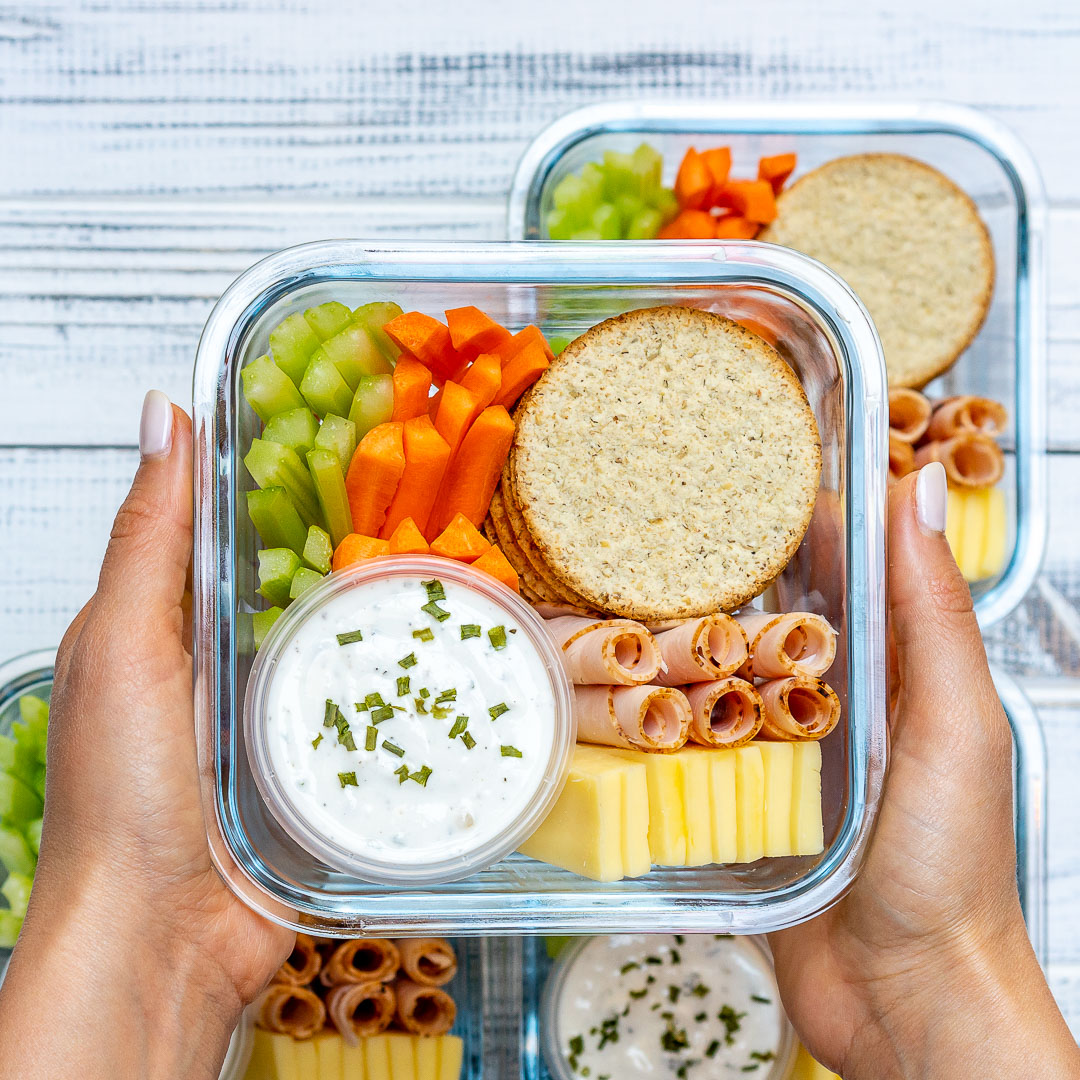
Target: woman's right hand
x: 925, y: 969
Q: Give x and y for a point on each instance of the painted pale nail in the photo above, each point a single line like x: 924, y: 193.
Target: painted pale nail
x: 932, y: 497
x: 155, y: 427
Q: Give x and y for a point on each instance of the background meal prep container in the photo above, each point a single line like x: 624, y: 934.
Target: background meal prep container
x: 839, y: 570
x: 1007, y: 360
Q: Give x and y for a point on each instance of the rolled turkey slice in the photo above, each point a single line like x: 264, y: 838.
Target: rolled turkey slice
x: 964, y: 414
x: 427, y: 961
x: 424, y: 1010
x: 701, y: 650
x: 726, y: 712
x: 796, y: 643
x: 970, y: 460
x: 901, y: 458
x: 797, y: 708
x: 361, y: 1009
x: 290, y: 1010
x: 361, y: 960
x: 612, y: 652
x: 653, y: 718
x: 909, y: 414
x: 303, y: 964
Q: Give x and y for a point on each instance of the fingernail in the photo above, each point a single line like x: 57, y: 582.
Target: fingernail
x: 931, y: 497
x: 155, y: 427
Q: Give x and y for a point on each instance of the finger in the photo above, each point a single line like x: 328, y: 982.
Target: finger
x: 69, y: 641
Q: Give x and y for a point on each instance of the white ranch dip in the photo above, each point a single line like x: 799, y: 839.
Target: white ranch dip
x: 691, y: 1007
x: 409, y: 793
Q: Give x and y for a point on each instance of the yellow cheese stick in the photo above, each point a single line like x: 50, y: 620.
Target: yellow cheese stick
x: 807, y: 835
x: 329, y: 1047
x: 307, y: 1063
x: 261, y: 1063
x: 667, y: 822
x: 633, y: 803
x: 997, y: 528
x: 697, y: 812
x: 377, y: 1057
x: 720, y: 805
x: 402, y: 1054
x: 427, y: 1057
x: 284, y: 1054
x: 451, y: 1056
x: 806, y: 1068
x: 750, y: 803
x: 353, y: 1064
x: 777, y: 758
x: 970, y: 556
x: 954, y: 524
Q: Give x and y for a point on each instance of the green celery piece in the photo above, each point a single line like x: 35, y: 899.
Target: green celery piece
x: 575, y: 197
x: 10, y: 925
x: 329, y: 482
x: 16, y: 890
x: 647, y: 164
x: 592, y: 176
x: 291, y: 344
x: 354, y: 353
x: 33, y: 837
x: 15, y: 852
x: 295, y: 429
x: 619, y: 177
x: 275, y: 518
x: 555, y: 945
x: 607, y: 221
x: 664, y: 201
x: 318, y: 550
x: 374, y: 317
x: 372, y: 404
x: 629, y: 206
x: 557, y: 343
x: 339, y: 436
x: 19, y: 758
x: 560, y: 225
x: 645, y: 225
x: 268, y: 389
x: 302, y: 581
x: 587, y: 234
x: 261, y: 622
x: 274, y: 465
x: 328, y: 319
x: 276, y: 569
x: 33, y: 730
x: 19, y: 803
x: 38, y: 782
x: 323, y: 387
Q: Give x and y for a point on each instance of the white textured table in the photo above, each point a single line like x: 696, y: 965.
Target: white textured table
x: 152, y: 150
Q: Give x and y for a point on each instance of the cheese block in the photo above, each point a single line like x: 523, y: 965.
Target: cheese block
x: 451, y: 1057
x: 667, y: 819
x: 353, y: 1063
x: 807, y: 834
x: 806, y: 1068
x: 977, y: 530
x: 750, y: 803
x: 427, y: 1058
x: 329, y: 1047
x: 777, y: 759
x: 697, y: 807
x: 261, y: 1063
x: 307, y: 1061
x: 377, y: 1057
x: 722, y: 804
x: 402, y: 1054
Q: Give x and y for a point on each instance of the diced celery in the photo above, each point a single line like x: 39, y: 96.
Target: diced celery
x: 275, y: 518
x: 328, y: 319
x: 18, y: 758
x: 374, y: 317
x: 573, y: 195
x: 274, y: 465
x: 10, y: 925
x: 32, y: 730
x: 645, y: 225
x: 19, y: 804
x: 261, y: 622
x: 560, y: 225
x: 329, y: 482
x: 33, y: 836
x: 276, y: 569
x: 619, y: 176
x: 303, y: 580
x: 664, y: 201
x: 291, y: 344
x: 295, y: 429
x: 555, y: 945
x: 338, y: 435
x: 323, y: 387
x: 629, y: 206
x: 592, y: 176
x: 647, y: 164
x: 354, y: 353
x: 372, y: 404
x: 38, y: 783
x: 16, y: 890
x: 607, y: 222
x: 587, y: 234
x: 15, y: 852
x: 557, y: 343
x: 318, y: 550
x: 268, y: 389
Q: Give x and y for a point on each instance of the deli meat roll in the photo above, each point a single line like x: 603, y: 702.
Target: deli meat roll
x: 290, y: 1010
x: 726, y: 713
x: 427, y: 961
x: 909, y: 414
x: 303, y: 964
x: 701, y: 650
x: 964, y: 414
x: 361, y: 960
x: 970, y: 460
x: 901, y: 458
x: 613, y: 652
x: 796, y: 643
x: 797, y: 708
x: 360, y: 1009
x: 424, y: 1010
x: 632, y: 717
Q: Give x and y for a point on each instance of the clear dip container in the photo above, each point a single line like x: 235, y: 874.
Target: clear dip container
x: 822, y: 331
x: 515, y: 830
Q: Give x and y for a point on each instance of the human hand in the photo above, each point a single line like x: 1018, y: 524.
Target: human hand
x: 129, y: 921
x: 924, y: 968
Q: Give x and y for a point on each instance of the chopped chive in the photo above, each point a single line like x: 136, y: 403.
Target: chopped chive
x: 379, y: 715
x: 330, y: 713
x: 673, y: 993
x: 421, y: 776
x: 762, y: 1055
x: 468, y: 740
x: 635, y: 994
x: 350, y: 637
x: 436, y: 612
x: 347, y: 779
x: 509, y: 751
x: 434, y: 589
x: 701, y: 1017
x: 402, y: 685
x: 346, y: 739
x: 679, y: 939
x: 460, y: 724
x: 361, y: 706
x: 427, y: 634
x: 701, y: 990
x: 393, y: 748
x: 676, y: 956
x: 496, y: 711
x: 497, y: 637
x: 420, y: 706
x: 441, y: 712
x: 761, y: 1000
x: 653, y: 960
x: 371, y: 737
x: 374, y: 700
x: 408, y: 661
x: 577, y: 1045
x: 402, y: 773
x: 425, y: 692
x: 447, y: 695
x: 711, y: 1049
x: 632, y: 965
x: 469, y: 629
x: 315, y: 742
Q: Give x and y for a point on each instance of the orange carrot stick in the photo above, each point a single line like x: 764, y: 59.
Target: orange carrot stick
x: 470, y: 481
x: 529, y: 336
x: 776, y: 170
x: 718, y: 162
x: 356, y: 547
x: 753, y: 199
x: 458, y: 408
x: 520, y: 373
x: 426, y: 339
x: 412, y: 384
x: 374, y: 474
x: 472, y: 332
x: 460, y: 540
x: 484, y: 378
x: 694, y: 182
x: 407, y: 539
x: 735, y: 227
x: 426, y: 457
x: 495, y: 563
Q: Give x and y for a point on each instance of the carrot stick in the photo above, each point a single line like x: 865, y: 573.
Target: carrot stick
x: 484, y: 378
x: 520, y: 373
x: 356, y: 547
x: 531, y: 335
x: 426, y: 457
x: 718, y: 162
x: 407, y: 539
x: 735, y: 227
x: 472, y: 332
x: 412, y: 383
x: 470, y: 481
x: 694, y: 182
x: 374, y: 474
x: 426, y: 339
x: 495, y: 563
x: 460, y: 540
x: 458, y: 408
x: 776, y: 170
x: 753, y: 199
x: 690, y: 225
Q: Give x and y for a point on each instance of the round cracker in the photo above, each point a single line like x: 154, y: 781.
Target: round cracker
x: 514, y: 555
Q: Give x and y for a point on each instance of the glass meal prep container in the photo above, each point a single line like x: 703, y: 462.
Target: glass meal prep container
x: 823, y: 332
x: 1006, y: 361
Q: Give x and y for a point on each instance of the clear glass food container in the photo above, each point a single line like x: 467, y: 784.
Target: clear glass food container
x: 1007, y: 360
x: 839, y: 570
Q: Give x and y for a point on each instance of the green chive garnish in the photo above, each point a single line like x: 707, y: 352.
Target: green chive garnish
x: 374, y: 700
x: 469, y: 629
x: 577, y: 1045
x: 402, y: 773
x: 347, y: 779
x: 361, y: 706
x: 421, y: 776
x: 434, y: 589
x: 379, y: 715
x: 425, y: 692
x: 711, y: 1049
x: 509, y: 751
x: 497, y: 710
x: 447, y: 695
x: 408, y: 661
x: 427, y: 634
x: 636, y: 994
x: 393, y: 748
x: 631, y: 965
x: 371, y: 737
x: 420, y: 706
x: 402, y: 685
x: 346, y: 740
x: 436, y: 612
x: 315, y: 742
x: 441, y: 712
x: 468, y: 740
x: 460, y: 724
x: 761, y: 1000
x: 330, y: 714
x: 350, y: 637
x: 497, y: 637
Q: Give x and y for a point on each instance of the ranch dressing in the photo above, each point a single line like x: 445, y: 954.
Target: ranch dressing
x: 691, y: 1007
x: 417, y: 736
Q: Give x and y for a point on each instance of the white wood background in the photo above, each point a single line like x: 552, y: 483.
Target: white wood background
x: 152, y: 149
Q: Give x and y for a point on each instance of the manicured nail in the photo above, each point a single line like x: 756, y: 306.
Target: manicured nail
x: 931, y: 497
x: 155, y: 428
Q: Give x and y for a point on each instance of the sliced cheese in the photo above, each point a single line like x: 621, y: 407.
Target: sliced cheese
x: 697, y: 805
x: 353, y: 1064
x: 402, y: 1053
x: 973, y: 534
x: 283, y: 1052
x: 377, y: 1057
x: 750, y: 803
x: 427, y: 1057
x: 807, y: 834
x: 329, y: 1046
x: 806, y: 1068
x: 667, y: 822
x: 723, y: 805
x: 954, y: 524
x: 307, y: 1062
x: 261, y: 1063
x: 777, y: 759
x: 451, y: 1056
x: 997, y: 530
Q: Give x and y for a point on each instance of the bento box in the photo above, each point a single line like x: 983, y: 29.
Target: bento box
x: 1006, y: 361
